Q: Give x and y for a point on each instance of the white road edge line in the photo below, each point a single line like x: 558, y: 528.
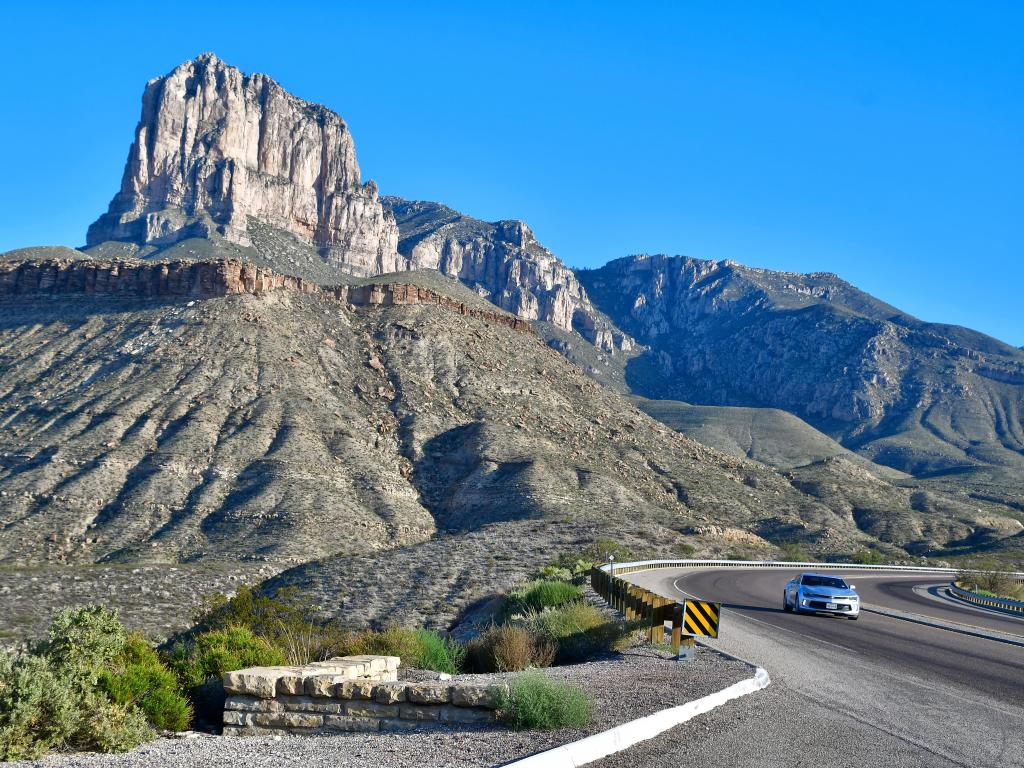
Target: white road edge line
x: 621, y: 737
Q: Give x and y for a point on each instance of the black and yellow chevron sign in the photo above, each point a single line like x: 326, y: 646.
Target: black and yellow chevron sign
x: 701, y: 618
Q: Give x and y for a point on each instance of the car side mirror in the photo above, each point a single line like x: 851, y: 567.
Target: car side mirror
x: 853, y: 587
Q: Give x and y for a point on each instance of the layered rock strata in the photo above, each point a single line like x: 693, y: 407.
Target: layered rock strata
x: 352, y: 693
x: 505, y: 263
x: 211, y: 279
x: 215, y: 146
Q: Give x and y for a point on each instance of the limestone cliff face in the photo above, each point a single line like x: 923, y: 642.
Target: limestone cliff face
x: 35, y: 278
x: 215, y: 146
x: 504, y: 262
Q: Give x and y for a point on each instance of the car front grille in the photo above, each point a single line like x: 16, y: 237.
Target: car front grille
x: 821, y: 605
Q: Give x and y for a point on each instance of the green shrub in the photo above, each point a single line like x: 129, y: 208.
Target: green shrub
x: 116, y: 728
x: 38, y: 709
x: 286, y: 620
x: 138, y: 677
x: 508, y: 648
x: 867, y: 556
x: 793, y: 551
x: 533, y: 701
x: 556, y: 573
x: 543, y: 594
x: 50, y: 698
x: 438, y: 653
x: 393, y: 641
x: 200, y: 665
x: 579, y: 631
x: 419, y: 648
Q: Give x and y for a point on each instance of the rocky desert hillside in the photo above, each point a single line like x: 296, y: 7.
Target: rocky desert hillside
x: 258, y: 367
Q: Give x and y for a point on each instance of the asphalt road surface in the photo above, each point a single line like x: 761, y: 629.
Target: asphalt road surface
x: 877, y: 691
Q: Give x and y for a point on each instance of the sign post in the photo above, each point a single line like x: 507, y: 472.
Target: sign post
x: 699, y: 618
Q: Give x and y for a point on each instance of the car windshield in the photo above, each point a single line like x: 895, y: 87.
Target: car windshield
x: 823, y: 581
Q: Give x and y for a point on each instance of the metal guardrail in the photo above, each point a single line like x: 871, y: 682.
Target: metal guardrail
x: 639, y: 604
x: 645, y: 565
x: 985, y: 600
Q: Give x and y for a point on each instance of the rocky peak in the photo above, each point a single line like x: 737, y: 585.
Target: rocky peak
x: 502, y: 261
x: 215, y: 146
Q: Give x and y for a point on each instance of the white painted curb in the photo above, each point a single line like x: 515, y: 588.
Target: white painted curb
x: 626, y: 735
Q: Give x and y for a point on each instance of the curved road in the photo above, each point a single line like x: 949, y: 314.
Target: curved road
x: 878, y: 690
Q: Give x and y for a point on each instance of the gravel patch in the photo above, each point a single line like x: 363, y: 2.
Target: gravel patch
x: 625, y: 686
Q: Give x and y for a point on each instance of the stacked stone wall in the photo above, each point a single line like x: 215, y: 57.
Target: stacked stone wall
x: 352, y: 693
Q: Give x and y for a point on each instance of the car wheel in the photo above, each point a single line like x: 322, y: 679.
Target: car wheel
x: 785, y: 603
x: 852, y: 618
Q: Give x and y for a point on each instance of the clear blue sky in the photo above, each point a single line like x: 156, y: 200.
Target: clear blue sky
x: 881, y: 141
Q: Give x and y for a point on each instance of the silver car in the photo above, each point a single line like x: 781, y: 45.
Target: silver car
x: 817, y: 593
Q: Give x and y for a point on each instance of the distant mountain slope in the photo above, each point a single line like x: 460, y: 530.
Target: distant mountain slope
x: 773, y: 437
x: 919, y: 397
x: 146, y: 416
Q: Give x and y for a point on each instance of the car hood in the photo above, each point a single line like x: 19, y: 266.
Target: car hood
x: 830, y: 591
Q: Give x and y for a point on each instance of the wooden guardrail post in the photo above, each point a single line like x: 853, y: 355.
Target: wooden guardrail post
x: 677, y: 627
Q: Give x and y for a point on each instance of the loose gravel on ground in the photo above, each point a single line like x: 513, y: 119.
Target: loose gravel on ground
x: 625, y: 686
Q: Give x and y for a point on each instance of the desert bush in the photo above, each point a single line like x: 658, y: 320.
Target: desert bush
x: 990, y: 581
x: 137, y: 676
x: 508, y: 648
x: 38, y: 710
x: 533, y: 701
x: 438, y: 653
x: 420, y: 648
x: 200, y: 664
x: 287, y: 620
x: 867, y: 556
x: 579, y: 631
x: 50, y: 695
x: 115, y: 728
x: 556, y: 572
x: 538, y: 595
x: 793, y: 551
x: 393, y: 641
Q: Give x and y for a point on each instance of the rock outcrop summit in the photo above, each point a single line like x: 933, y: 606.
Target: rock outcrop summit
x: 222, y: 154
x: 215, y: 147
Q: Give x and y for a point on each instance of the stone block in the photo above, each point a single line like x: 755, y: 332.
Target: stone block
x: 390, y: 676
x: 310, y: 704
x: 252, y: 704
x: 429, y: 693
x: 291, y: 684
x: 389, y: 693
x: 323, y: 685
x: 370, y: 709
x: 355, y: 689
x: 470, y: 695
x: 233, y: 717
x: 287, y: 720
x: 453, y: 714
x: 344, y: 667
x: 254, y: 681
x: 414, y: 712
x: 374, y: 664
x: 346, y: 723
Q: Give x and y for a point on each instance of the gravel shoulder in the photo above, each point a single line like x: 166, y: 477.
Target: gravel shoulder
x: 625, y: 686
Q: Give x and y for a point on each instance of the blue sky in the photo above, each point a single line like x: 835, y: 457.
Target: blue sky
x: 881, y: 141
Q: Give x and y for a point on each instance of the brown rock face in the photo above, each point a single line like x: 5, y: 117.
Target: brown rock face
x: 503, y: 261
x: 215, y: 146
x: 210, y: 279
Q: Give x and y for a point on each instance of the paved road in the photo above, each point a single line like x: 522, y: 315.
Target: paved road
x: 878, y: 691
